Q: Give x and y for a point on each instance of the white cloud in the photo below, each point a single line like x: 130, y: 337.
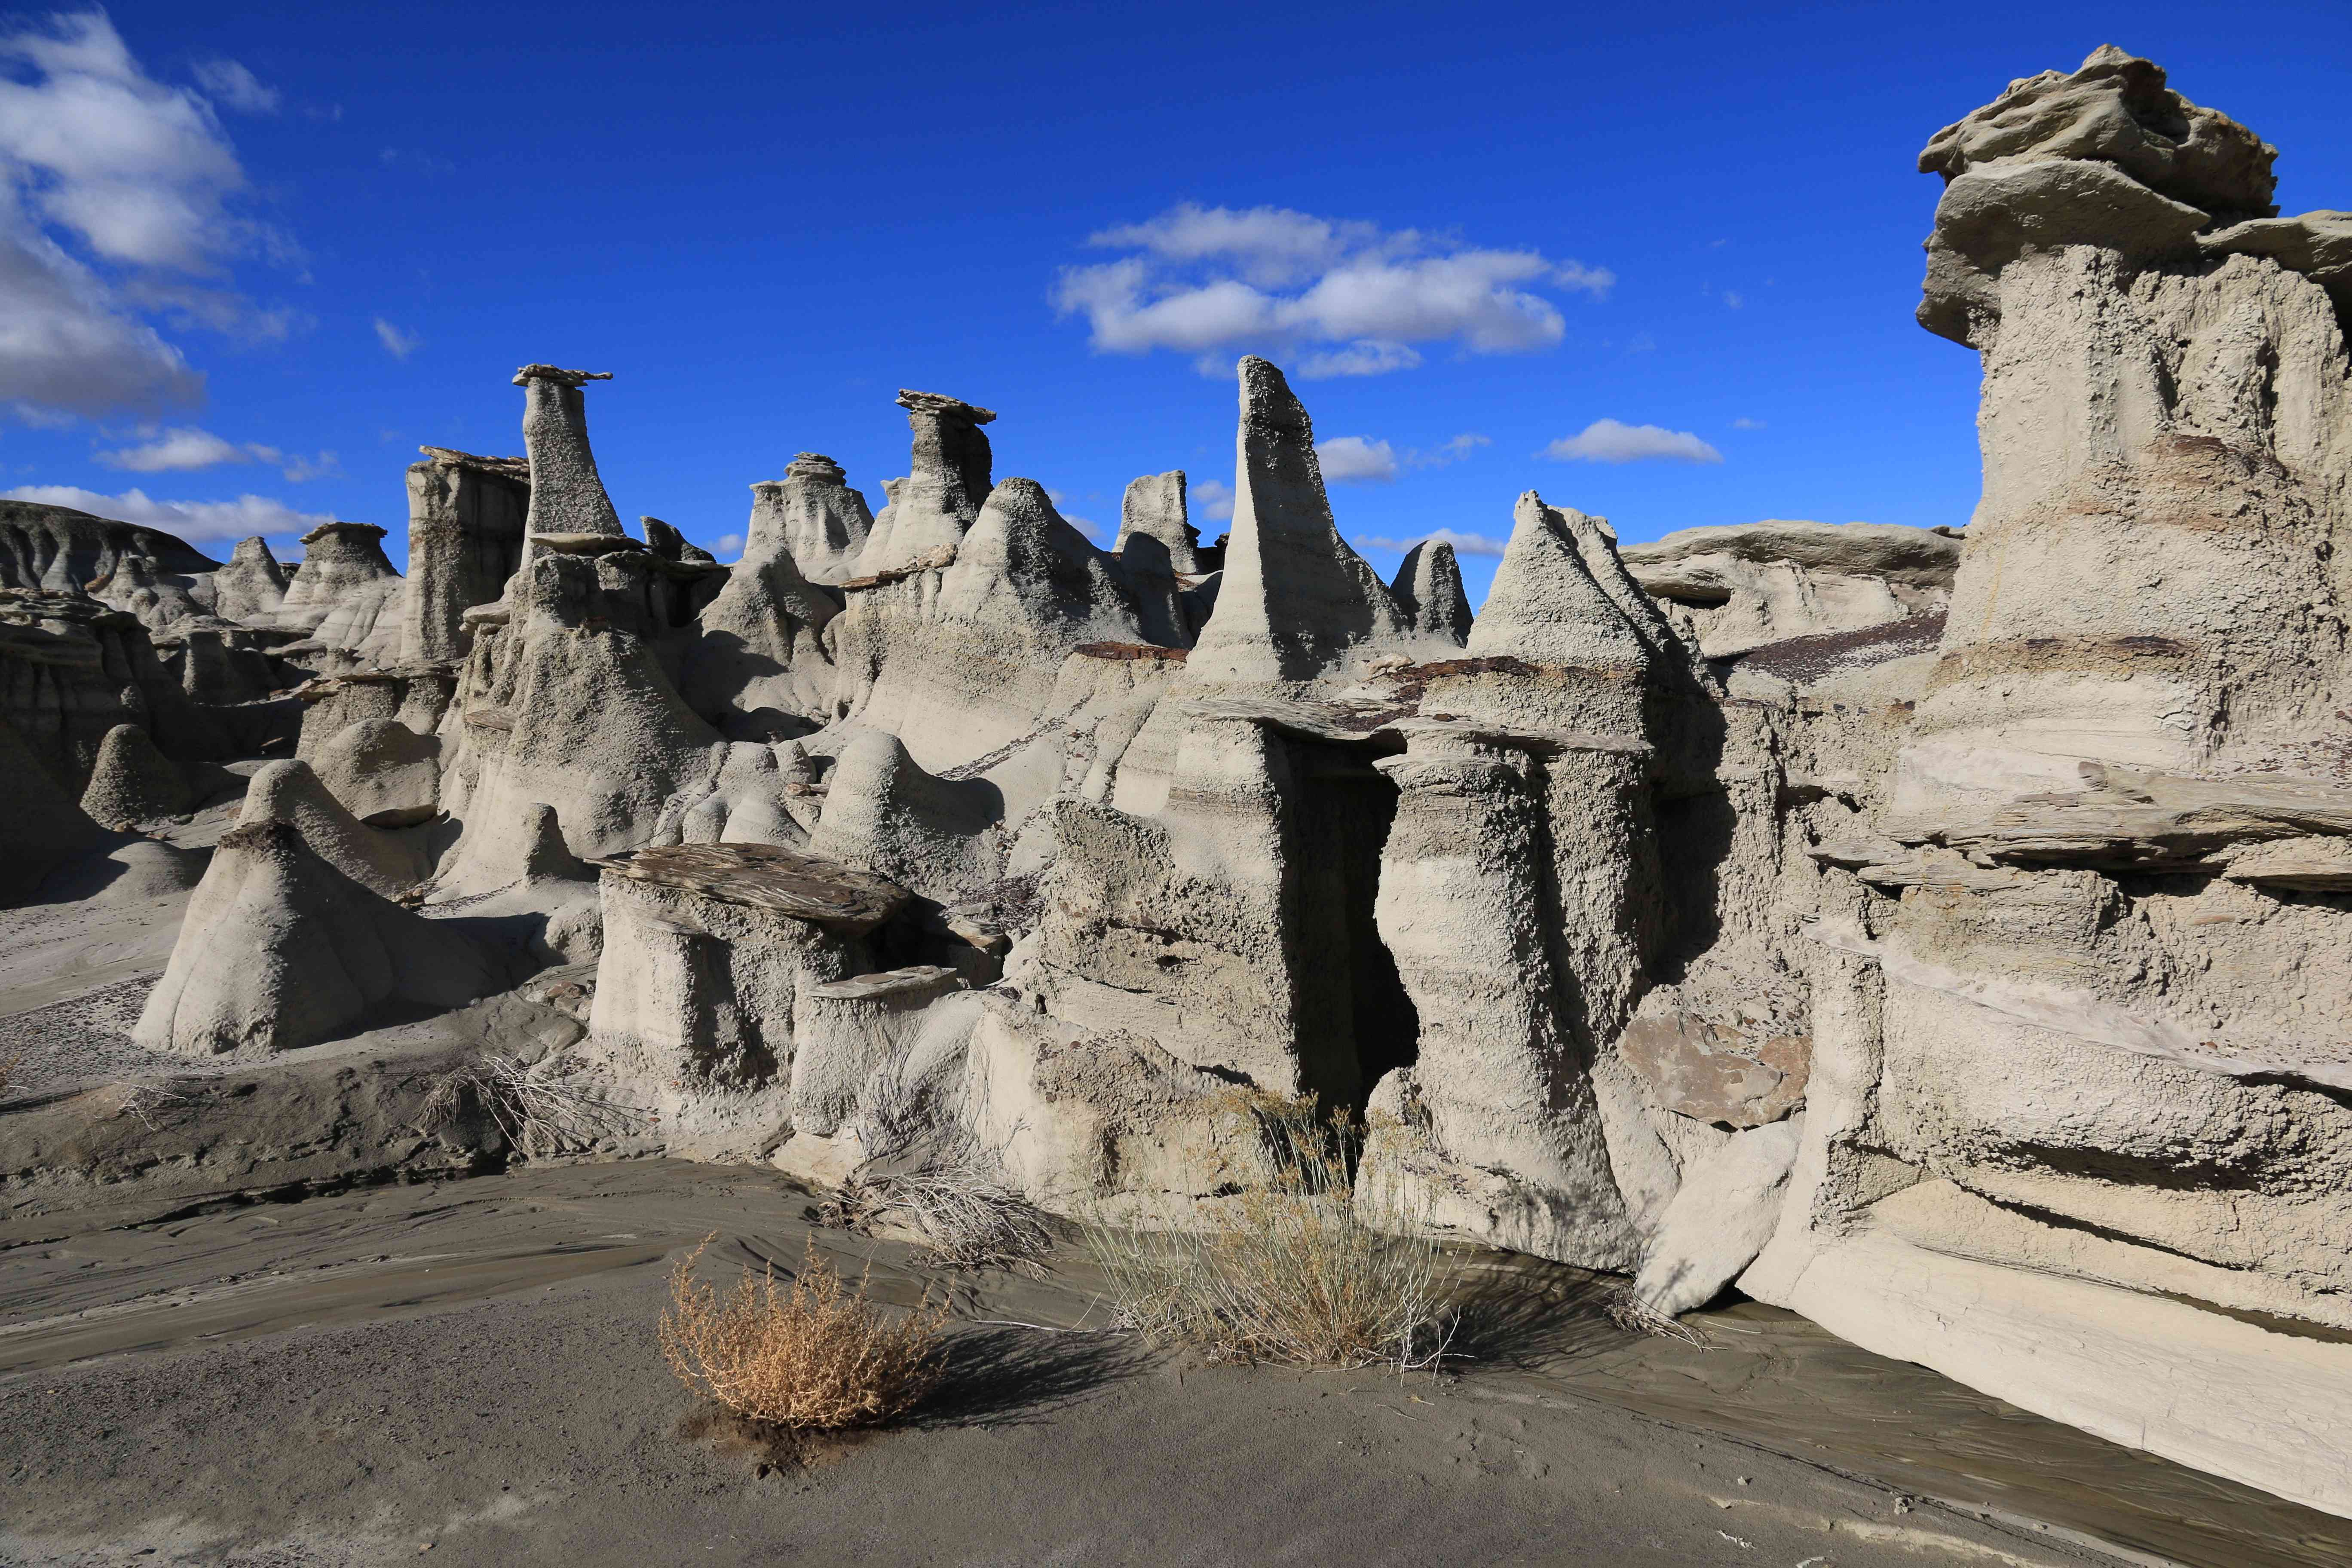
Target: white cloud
x: 1212, y: 499
x: 174, y: 450
x: 191, y: 520
x: 396, y: 343
x: 1452, y: 452
x: 1744, y: 423
x: 1610, y: 441
x: 728, y: 547
x: 186, y: 449
x: 1464, y: 544
x: 1215, y: 278
x: 137, y: 174
x: 234, y: 87
x: 1355, y: 460
x: 1369, y: 357
x: 1732, y: 299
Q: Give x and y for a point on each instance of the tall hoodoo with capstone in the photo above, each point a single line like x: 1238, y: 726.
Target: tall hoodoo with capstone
x: 1939, y: 933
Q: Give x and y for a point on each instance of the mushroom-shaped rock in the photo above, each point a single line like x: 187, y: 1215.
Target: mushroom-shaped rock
x: 291, y: 792
x: 933, y: 505
x: 812, y: 514
x: 567, y: 494
x: 280, y: 949
x: 848, y: 1029
x: 131, y: 782
x: 709, y: 949
x: 1295, y: 602
x: 347, y: 595
x: 383, y: 772
x: 1428, y: 589
x: 251, y: 586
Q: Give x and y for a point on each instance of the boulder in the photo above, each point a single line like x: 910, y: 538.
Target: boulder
x: 2117, y: 108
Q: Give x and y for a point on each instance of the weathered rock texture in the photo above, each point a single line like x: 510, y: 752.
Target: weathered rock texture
x: 467, y: 520
x: 1744, y: 587
x: 1943, y: 935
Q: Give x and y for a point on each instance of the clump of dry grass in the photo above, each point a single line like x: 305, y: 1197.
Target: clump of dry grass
x: 971, y: 1219
x: 1629, y: 1312
x: 1300, y: 1279
x: 814, y: 1355
x: 533, y: 1108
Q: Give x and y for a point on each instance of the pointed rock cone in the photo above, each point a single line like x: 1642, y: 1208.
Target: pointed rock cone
x: 251, y: 586
x: 131, y: 782
x: 1547, y: 606
x: 280, y: 949
x: 1295, y: 600
x: 1428, y: 589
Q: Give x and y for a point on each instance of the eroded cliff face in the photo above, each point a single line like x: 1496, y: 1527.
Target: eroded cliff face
x: 1941, y: 933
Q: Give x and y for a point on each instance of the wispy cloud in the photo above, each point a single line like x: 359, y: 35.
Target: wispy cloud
x: 187, y: 448
x: 1357, y: 460
x: 728, y: 547
x: 232, y: 86
x: 1355, y: 297
x: 96, y: 153
x: 1464, y: 544
x: 396, y: 343
x: 1212, y: 499
x: 1611, y: 441
x: 191, y: 520
x: 1744, y: 423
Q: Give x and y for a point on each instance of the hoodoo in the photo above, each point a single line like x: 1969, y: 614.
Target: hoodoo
x: 1940, y: 933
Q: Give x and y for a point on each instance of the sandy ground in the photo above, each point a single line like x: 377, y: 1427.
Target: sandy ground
x: 469, y: 1369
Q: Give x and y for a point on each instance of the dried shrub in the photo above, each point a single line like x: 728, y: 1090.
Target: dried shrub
x: 964, y: 1207
x: 534, y: 1109
x: 1300, y: 1279
x: 814, y: 1355
x: 1629, y: 1312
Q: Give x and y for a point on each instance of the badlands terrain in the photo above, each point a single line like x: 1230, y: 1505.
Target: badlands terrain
x: 1905, y: 970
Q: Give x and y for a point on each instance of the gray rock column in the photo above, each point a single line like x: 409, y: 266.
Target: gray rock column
x: 567, y: 496
x: 466, y: 517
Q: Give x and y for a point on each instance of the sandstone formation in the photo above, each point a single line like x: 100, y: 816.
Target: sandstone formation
x: 467, y: 520
x: 280, y: 949
x: 131, y: 782
x: 1939, y: 933
x: 1740, y: 588
x: 251, y: 588
x: 347, y: 597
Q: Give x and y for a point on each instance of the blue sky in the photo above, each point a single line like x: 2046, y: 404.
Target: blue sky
x: 1656, y: 262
